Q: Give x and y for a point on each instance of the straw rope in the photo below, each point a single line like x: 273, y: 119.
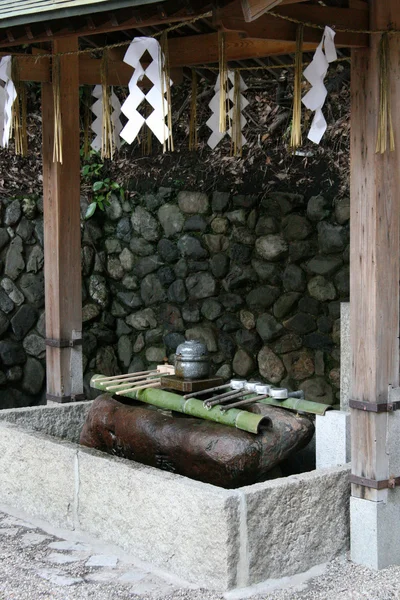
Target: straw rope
x: 126, y: 42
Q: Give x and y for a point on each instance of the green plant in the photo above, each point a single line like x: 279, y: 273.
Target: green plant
x: 102, y: 191
x: 102, y: 187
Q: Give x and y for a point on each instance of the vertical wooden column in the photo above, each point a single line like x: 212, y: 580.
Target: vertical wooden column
x: 374, y: 256
x: 62, y: 240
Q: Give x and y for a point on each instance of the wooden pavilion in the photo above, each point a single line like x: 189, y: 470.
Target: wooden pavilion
x: 64, y: 26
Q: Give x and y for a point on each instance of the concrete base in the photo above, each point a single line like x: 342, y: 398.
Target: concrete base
x: 332, y: 437
x: 375, y: 531
x: 217, y: 538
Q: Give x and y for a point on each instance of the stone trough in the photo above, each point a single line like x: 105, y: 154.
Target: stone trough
x: 217, y: 538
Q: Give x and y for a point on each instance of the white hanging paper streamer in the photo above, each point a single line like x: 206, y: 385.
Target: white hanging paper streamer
x: 315, y: 74
x: 97, y: 124
x: 155, y: 96
x: 213, y: 122
x: 8, y: 93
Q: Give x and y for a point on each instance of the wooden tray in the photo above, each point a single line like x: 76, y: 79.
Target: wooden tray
x: 172, y: 382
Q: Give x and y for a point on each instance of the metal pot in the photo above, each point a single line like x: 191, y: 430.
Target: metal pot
x: 192, y: 360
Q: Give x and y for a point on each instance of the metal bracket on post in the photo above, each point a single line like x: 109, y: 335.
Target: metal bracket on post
x: 63, y: 343
x: 383, y: 484
x: 375, y: 407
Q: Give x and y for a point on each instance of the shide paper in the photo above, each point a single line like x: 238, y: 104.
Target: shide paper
x: 8, y: 93
x: 315, y: 74
x: 213, y: 122
x: 155, y: 96
x: 97, y: 125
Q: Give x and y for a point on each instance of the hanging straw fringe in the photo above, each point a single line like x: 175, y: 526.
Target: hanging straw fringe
x: 223, y: 82
x: 237, y: 115
x: 19, y: 111
x: 193, y: 141
x: 295, y: 138
x: 166, y: 81
x: 107, y: 132
x: 57, y: 144
x: 87, y: 97
x: 385, y: 124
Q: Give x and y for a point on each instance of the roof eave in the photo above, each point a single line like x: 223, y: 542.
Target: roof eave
x: 75, y: 11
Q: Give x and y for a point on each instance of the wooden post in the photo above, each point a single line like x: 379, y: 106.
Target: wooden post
x: 62, y: 245
x: 374, y: 283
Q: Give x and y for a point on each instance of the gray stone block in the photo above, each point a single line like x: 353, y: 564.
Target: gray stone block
x: 37, y: 475
x: 332, y: 433
x: 187, y: 527
x: 61, y: 421
x: 297, y: 522
x: 375, y: 531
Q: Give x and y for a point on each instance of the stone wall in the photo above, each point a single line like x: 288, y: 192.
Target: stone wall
x: 260, y: 280
x: 22, y: 328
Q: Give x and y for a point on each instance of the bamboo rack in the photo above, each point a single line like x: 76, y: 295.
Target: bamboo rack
x: 241, y: 419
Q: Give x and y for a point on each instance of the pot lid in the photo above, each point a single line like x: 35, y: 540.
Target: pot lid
x: 192, y: 349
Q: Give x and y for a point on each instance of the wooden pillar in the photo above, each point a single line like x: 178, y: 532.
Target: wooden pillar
x: 374, y: 280
x: 62, y: 240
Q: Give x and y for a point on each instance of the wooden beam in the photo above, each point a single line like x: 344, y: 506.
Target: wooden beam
x: 62, y: 235
x: 374, y: 254
x: 185, y: 51
x: 196, y: 50
x: 119, y: 73
x: 269, y: 27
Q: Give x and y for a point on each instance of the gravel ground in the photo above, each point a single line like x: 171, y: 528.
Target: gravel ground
x: 37, y: 565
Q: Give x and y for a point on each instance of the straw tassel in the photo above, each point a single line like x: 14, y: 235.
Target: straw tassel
x: 19, y: 112
x: 385, y: 124
x: 193, y: 140
x: 295, y: 138
x: 166, y: 80
x: 57, y: 144
x: 223, y: 82
x: 237, y: 116
x: 107, y: 133
x: 87, y: 120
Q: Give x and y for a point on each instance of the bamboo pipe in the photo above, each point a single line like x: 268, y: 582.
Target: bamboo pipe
x: 241, y: 419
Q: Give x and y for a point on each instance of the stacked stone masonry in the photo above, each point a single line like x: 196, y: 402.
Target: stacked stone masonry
x: 258, y: 278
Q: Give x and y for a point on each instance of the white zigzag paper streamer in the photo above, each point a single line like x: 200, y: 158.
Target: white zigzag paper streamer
x: 8, y: 93
x: 97, y: 125
x: 213, y: 122
x: 155, y: 96
x: 315, y: 73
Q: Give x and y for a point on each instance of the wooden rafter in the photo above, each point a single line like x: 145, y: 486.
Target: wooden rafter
x: 229, y: 17
x: 253, y: 9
